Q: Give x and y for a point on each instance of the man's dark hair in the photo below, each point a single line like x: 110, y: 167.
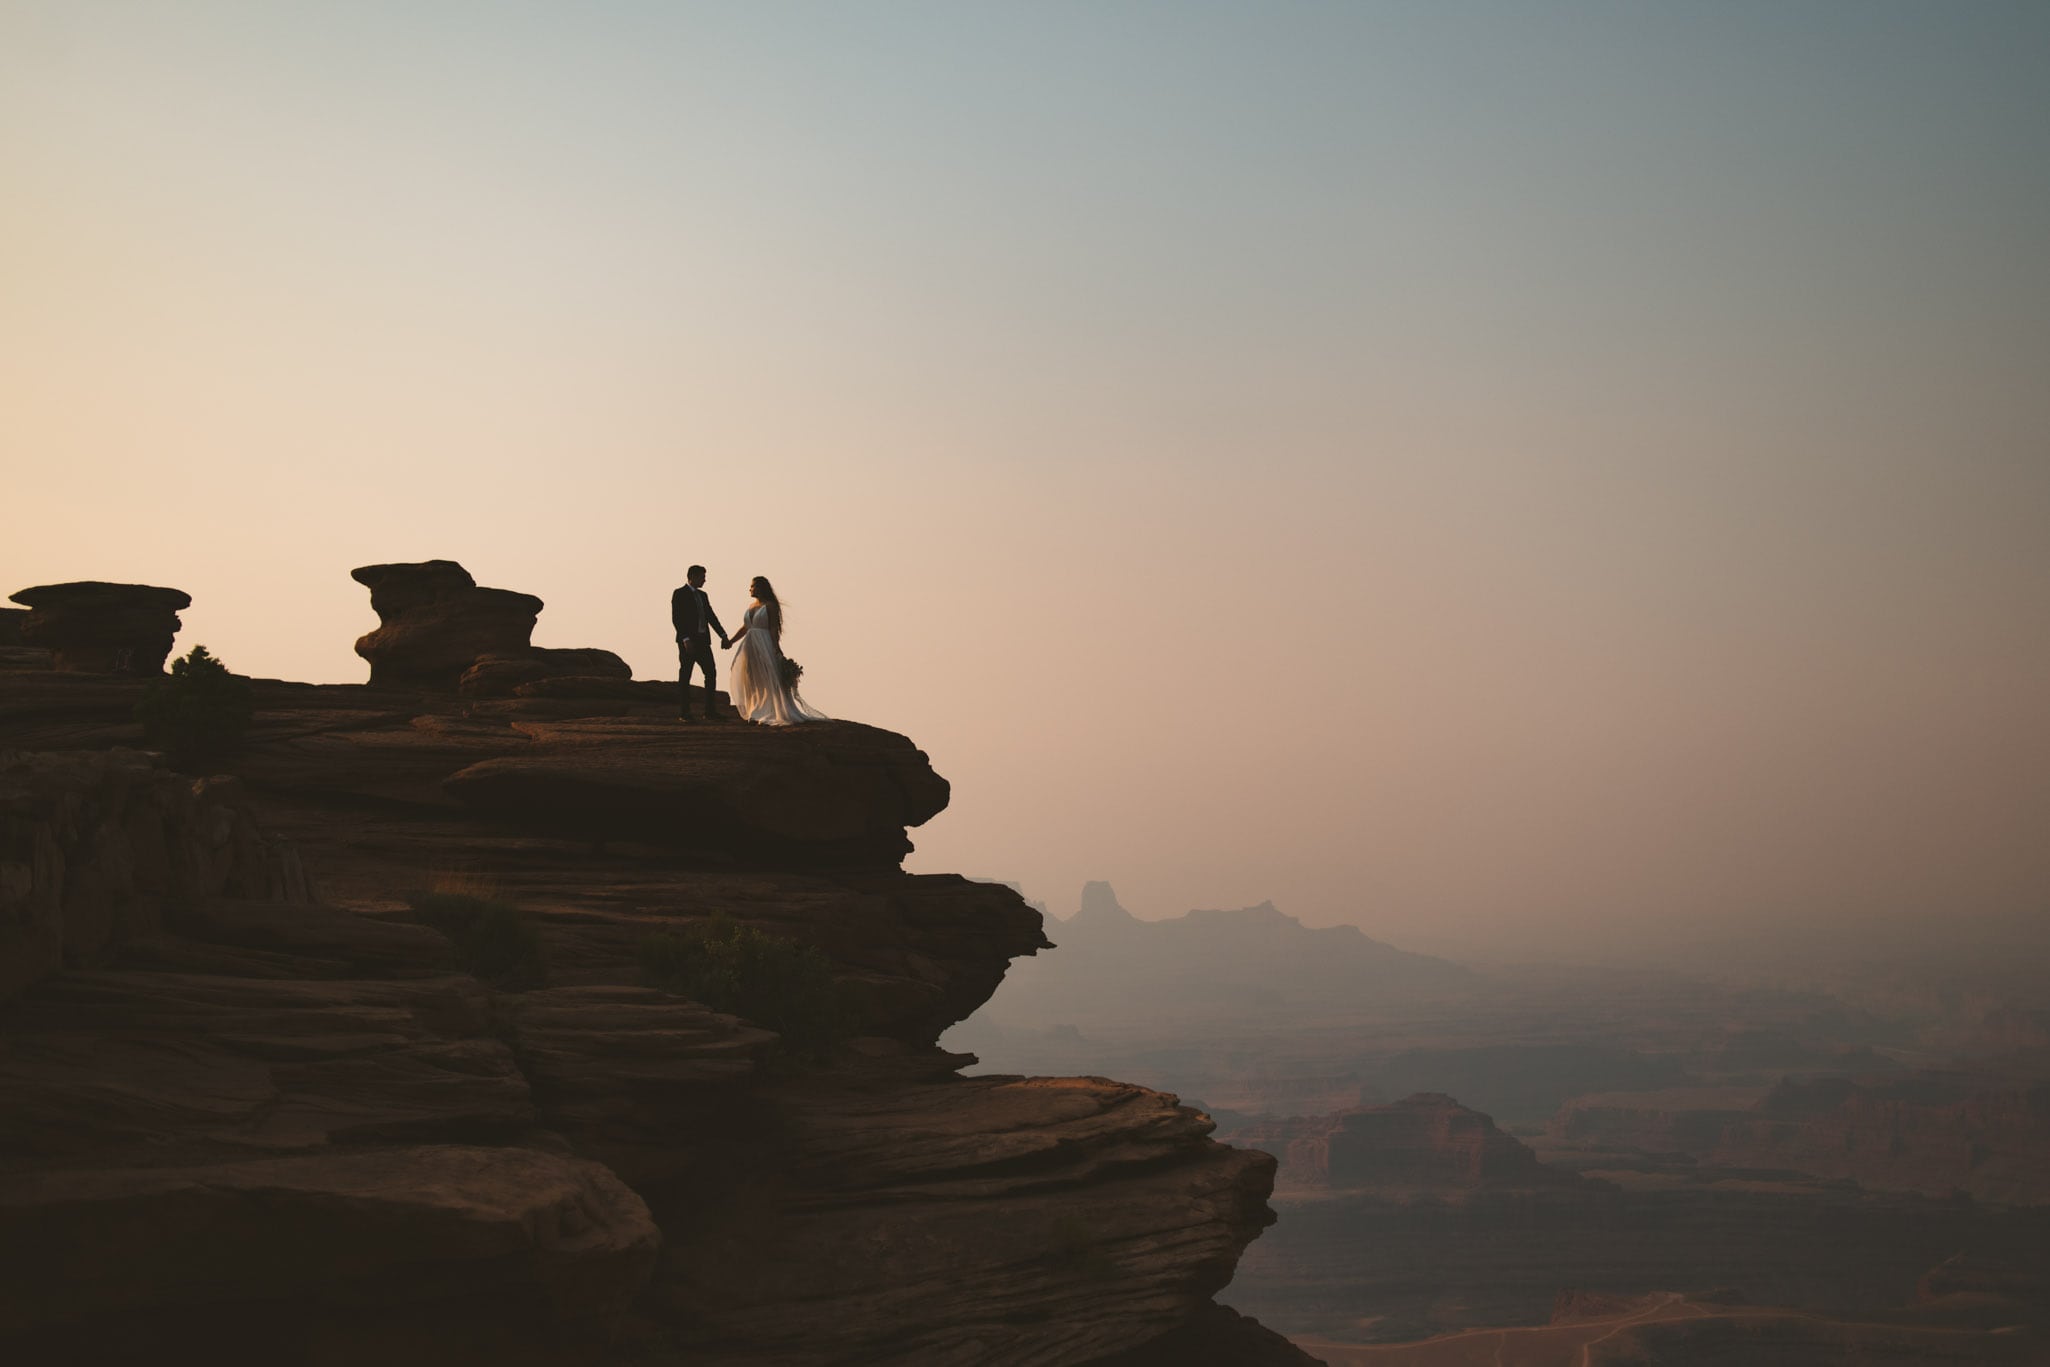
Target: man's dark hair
x: 694, y: 569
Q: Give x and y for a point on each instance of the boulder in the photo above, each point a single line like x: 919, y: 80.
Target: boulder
x: 434, y: 623
x: 497, y: 676
x: 93, y: 627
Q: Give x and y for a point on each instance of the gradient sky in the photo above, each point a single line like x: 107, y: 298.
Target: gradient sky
x: 1512, y: 475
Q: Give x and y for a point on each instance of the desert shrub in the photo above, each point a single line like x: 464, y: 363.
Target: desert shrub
x: 496, y: 942
x: 198, y: 712
x: 773, y: 981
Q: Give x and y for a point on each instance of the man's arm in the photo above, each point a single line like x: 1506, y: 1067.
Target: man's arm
x: 676, y: 602
x: 712, y: 618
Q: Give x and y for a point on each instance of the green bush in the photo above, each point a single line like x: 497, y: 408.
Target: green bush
x: 496, y: 942
x: 198, y: 713
x: 772, y: 981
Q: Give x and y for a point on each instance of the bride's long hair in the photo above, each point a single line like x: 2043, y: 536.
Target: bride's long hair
x: 765, y: 594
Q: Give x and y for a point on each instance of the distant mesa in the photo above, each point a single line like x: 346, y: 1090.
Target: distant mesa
x: 100, y: 628
x: 1423, y: 1142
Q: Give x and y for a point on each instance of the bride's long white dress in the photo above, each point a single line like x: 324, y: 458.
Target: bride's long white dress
x: 757, y: 684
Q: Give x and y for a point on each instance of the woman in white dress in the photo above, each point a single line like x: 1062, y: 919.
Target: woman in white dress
x: 758, y: 687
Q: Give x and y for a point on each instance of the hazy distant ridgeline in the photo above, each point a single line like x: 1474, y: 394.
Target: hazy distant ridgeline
x: 1111, y: 966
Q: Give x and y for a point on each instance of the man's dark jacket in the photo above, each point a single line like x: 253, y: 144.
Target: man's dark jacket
x: 690, y: 611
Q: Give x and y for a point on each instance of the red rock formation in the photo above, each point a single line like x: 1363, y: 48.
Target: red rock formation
x: 434, y: 623
x: 102, y: 628
x: 257, y: 1124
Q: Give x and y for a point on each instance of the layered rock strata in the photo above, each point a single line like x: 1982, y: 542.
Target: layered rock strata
x: 102, y: 628
x: 294, y: 1130
x: 1938, y: 1133
x: 102, y: 848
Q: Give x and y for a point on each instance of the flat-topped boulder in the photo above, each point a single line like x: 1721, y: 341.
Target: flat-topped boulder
x: 95, y: 627
x: 830, y: 794
x: 435, y: 622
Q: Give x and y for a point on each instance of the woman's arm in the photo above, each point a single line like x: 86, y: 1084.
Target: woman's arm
x: 747, y: 624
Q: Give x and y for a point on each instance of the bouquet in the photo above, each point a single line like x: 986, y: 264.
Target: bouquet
x: 792, y: 672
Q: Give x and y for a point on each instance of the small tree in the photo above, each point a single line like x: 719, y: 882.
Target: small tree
x: 199, y: 712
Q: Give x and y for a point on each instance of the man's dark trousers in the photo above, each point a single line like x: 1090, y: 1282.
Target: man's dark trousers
x: 695, y: 651
x: 695, y: 622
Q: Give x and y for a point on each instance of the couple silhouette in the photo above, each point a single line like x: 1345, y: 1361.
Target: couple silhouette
x: 764, y: 686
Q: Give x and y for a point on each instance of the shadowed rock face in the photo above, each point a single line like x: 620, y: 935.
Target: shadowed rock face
x: 830, y: 794
x: 102, y: 628
x: 106, y: 847
x: 373, y: 1156
x: 1932, y: 1132
x: 532, y: 1246
x: 434, y: 623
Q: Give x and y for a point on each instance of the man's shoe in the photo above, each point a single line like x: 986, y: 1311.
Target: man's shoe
x: 684, y: 716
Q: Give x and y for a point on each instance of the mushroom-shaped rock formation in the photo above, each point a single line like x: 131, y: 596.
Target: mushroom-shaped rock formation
x: 93, y: 627
x: 434, y: 623
x: 496, y: 676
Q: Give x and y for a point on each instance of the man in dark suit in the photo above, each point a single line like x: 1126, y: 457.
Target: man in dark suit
x: 690, y: 611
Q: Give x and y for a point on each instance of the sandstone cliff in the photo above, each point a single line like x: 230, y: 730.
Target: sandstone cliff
x: 263, y: 1109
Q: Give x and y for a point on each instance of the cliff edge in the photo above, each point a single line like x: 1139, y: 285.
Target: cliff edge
x: 266, y: 1102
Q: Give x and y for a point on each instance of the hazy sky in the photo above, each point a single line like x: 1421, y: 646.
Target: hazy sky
x: 1494, y: 472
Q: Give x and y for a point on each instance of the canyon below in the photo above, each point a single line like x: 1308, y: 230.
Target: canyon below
x: 1553, y: 1163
